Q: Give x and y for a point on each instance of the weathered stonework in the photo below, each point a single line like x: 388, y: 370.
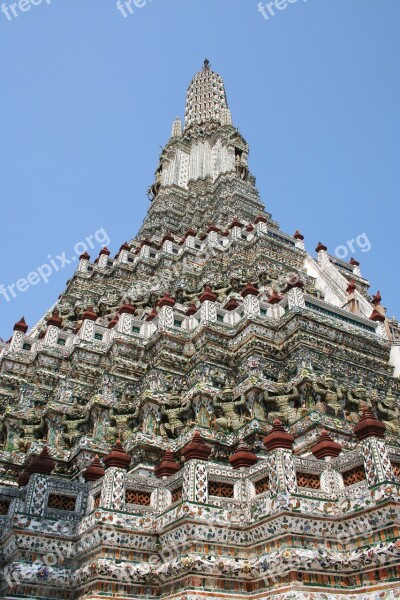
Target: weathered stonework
x: 202, y: 332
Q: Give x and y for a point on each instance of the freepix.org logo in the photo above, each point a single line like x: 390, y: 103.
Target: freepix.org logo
x: 14, y: 10
x: 53, y: 265
x: 270, y: 9
x: 127, y: 7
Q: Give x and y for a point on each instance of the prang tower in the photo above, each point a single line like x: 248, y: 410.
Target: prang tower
x: 211, y: 414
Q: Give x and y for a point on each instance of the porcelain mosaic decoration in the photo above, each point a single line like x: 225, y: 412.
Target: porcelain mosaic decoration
x: 211, y: 414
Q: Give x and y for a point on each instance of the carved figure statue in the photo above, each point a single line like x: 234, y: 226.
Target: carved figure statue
x: 356, y: 399
x: 228, y: 406
x: 76, y: 426
x: 389, y: 411
x: 155, y: 187
x: 285, y: 396
x: 330, y: 392
x: 258, y: 409
x: 173, y: 409
x: 14, y: 441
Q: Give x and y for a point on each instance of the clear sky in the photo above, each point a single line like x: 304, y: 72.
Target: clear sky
x: 89, y: 96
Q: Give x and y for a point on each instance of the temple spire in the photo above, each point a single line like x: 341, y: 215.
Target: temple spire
x: 176, y: 128
x: 206, y: 101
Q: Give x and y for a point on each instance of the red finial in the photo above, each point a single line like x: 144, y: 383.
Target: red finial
x: 23, y: 478
x: 189, y: 232
x: 376, y: 299
x: 278, y: 437
x: 235, y: 223
x: 377, y: 317
x: 113, y: 322
x: 242, y: 457
x: 248, y: 290
x: 117, y: 457
x: 261, y: 219
x: 168, y: 466
x: 168, y: 237
x: 105, y: 251
x: 55, y: 319
x: 354, y: 262
x: 192, y: 310
x: 274, y: 298
x: 294, y: 282
x: 94, y: 471
x: 127, y: 308
x: 351, y: 288
x: 297, y: 235
x: 89, y: 314
x: 208, y: 294
x: 231, y: 304
x: 196, y: 449
x: 326, y: 446
x: 42, y: 464
x: 320, y: 247
x: 84, y: 256
x: 21, y: 326
x: 166, y: 300
x: 152, y: 315
x: 369, y: 426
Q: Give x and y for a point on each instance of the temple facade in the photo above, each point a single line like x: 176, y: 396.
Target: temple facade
x: 214, y: 413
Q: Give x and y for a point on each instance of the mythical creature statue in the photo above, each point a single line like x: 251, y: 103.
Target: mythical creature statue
x: 124, y: 418
x: 286, y: 396
x: 258, y: 410
x: 35, y: 425
x: 241, y: 168
x: 356, y: 399
x: 53, y: 430
x: 172, y: 409
x: 14, y: 435
x: 331, y: 394
x: 226, y: 403
x: 155, y: 187
x: 77, y: 424
x: 389, y: 411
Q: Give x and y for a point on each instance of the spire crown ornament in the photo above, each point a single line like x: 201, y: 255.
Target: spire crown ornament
x: 21, y: 325
x: 242, y: 457
x: 168, y: 466
x: 206, y: 101
x: 89, y: 314
x: 351, y: 288
x: 196, y: 449
x: 55, y: 319
x: 42, y: 464
x: 297, y: 235
x: 94, y: 471
x: 326, y: 446
x: 278, y: 437
x: 274, y: 298
x: 369, y: 425
x: 117, y: 457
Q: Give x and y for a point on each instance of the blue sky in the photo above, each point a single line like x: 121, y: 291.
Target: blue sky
x: 88, y: 97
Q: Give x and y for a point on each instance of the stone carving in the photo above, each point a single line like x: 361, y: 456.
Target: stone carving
x: 286, y: 397
x: 389, y: 411
x: 331, y: 394
x: 226, y: 403
x: 356, y: 399
x: 174, y: 410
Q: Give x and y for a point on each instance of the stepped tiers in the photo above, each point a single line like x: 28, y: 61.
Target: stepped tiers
x: 211, y: 414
